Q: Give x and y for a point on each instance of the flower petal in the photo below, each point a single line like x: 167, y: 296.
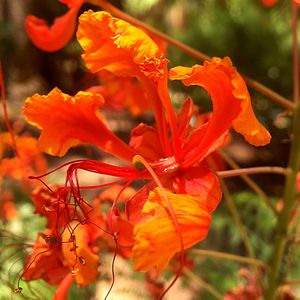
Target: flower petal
x: 120, y: 93
x: 200, y: 181
x: 69, y: 121
x: 46, y: 260
x: 158, y: 231
x: 229, y: 94
x: 112, y: 44
x: 54, y: 37
x: 145, y: 142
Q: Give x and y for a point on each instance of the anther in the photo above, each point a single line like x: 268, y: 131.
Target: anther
x: 74, y: 271
x: 116, y: 235
x: 50, y: 239
x: 82, y: 260
x: 18, y: 290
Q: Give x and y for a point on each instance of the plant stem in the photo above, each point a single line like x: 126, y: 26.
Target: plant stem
x: 254, y: 170
x: 251, y: 183
x: 277, y: 263
x: 191, y: 51
x: 237, y: 219
x: 228, y: 256
x: 203, y: 284
x: 295, y: 53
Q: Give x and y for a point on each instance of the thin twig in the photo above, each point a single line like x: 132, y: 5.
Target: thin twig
x: 278, y: 260
x: 254, y: 170
x: 295, y: 53
x: 191, y: 51
x: 206, y: 286
x: 252, y: 184
x: 237, y: 219
x: 228, y: 256
x: 291, y: 282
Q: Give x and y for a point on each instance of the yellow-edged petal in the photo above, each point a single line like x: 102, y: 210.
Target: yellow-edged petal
x: 114, y: 45
x: 156, y: 239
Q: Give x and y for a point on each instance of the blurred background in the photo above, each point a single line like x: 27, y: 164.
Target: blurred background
x: 257, y: 39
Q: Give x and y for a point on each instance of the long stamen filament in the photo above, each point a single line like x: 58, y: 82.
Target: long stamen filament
x: 137, y: 159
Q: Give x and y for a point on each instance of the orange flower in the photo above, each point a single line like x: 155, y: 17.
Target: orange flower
x: 58, y: 35
x: 173, y: 150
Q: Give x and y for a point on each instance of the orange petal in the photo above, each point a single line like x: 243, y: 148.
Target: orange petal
x: 122, y: 227
x: 53, y: 206
x: 46, y: 261
x: 200, y: 181
x: 158, y: 231
x: 57, y: 35
x: 229, y: 94
x: 246, y: 123
x: 84, y: 262
x: 120, y: 93
x: 69, y: 121
x: 145, y: 142
x: 114, y: 45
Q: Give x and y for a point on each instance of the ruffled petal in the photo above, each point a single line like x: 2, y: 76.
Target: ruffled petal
x: 69, y: 121
x: 46, y: 260
x: 114, y: 45
x: 54, y: 37
x: 158, y: 231
x: 229, y: 94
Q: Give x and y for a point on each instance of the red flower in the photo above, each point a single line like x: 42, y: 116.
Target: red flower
x: 176, y: 214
